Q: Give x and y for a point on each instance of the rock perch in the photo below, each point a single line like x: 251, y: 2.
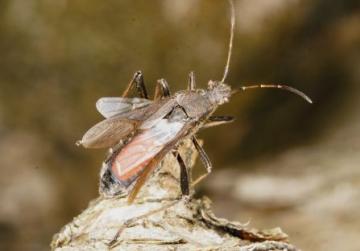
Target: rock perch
x: 160, y: 219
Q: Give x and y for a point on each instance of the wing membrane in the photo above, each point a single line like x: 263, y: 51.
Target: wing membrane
x: 108, y: 132
x: 111, y: 106
x: 143, y: 174
x: 136, y: 155
x: 167, y: 105
x: 111, y: 130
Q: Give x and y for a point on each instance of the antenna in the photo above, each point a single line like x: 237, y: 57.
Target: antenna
x: 283, y: 87
x: 232, y: 26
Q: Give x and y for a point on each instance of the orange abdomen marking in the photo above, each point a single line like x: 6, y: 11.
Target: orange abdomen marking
x: 136, y: 155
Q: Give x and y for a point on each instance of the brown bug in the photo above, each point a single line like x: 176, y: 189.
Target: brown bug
x: 143, y: 131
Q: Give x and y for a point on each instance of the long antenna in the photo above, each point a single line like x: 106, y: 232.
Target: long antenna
x: 283, y: 87
x: 232, y: 26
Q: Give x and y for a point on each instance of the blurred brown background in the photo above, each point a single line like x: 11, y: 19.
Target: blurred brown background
x: 282, y: 163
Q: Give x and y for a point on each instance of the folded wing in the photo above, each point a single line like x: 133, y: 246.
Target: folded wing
x: 136, y: 155
x: 108, y: 132
x: 111, y: 106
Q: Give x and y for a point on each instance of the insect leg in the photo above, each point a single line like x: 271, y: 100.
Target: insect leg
x: 162, y: 89
x: 218, y: 120
x: 184, y: 174
x: 143, y: 176
x: 138, y: 82
x: 191, y: 83
x: 204, y: 159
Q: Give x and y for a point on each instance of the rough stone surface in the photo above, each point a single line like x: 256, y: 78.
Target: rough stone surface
x: 160, y: 220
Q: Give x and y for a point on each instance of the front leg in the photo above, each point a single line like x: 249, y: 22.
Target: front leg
x: 218, y: 120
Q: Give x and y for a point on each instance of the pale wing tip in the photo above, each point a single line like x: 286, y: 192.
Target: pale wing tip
x: 98, y: 104
x: 85, y: 143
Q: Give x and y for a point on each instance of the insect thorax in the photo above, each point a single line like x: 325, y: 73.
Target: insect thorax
x: 196, y: 104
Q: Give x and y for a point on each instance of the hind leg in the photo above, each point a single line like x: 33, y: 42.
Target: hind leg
x: 138, y: 82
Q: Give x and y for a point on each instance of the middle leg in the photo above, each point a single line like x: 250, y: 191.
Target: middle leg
x: 162, y: 89
x: 204, y: 159
x: 184, y: 174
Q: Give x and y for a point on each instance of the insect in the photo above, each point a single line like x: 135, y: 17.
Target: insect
x: 142, y: 131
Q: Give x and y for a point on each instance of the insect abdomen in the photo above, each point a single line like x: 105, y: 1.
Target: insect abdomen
x: 131, y: 160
